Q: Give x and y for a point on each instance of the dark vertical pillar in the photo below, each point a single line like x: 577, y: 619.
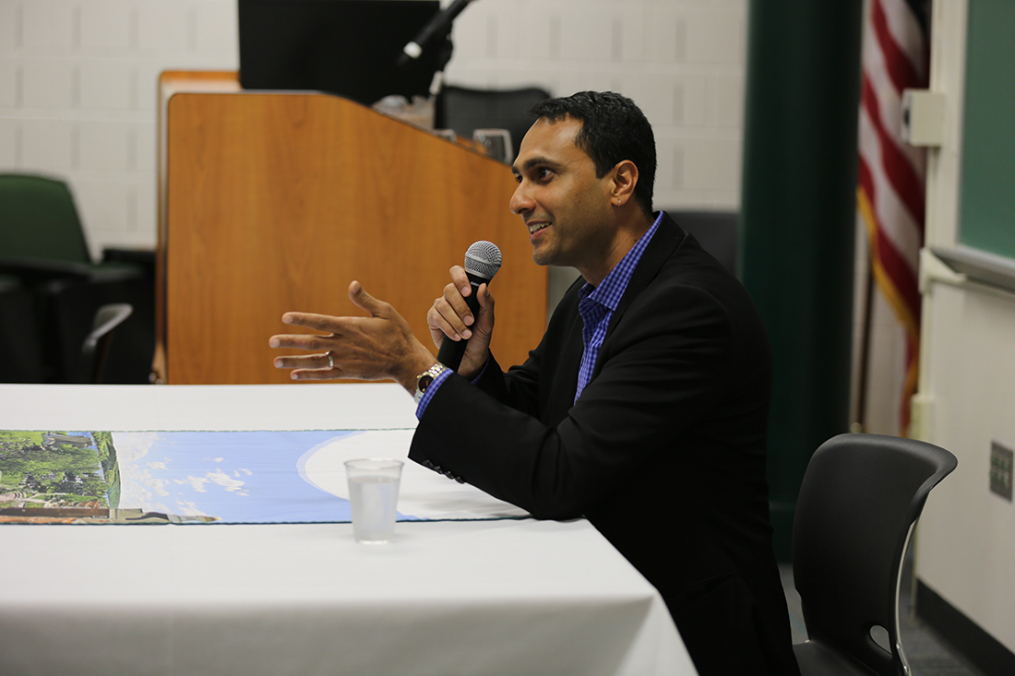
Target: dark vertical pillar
x: 798, y: 222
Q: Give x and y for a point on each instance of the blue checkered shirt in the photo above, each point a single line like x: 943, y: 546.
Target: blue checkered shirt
x: 596, y: 305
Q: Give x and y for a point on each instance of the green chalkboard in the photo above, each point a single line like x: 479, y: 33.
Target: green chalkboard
x: 988, y: 148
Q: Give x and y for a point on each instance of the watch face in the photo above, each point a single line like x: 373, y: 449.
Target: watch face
x: 424, y: 382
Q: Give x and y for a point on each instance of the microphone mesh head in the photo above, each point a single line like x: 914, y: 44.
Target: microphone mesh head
x: 483, y: 260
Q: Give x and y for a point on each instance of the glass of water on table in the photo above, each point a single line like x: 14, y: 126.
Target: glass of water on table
x: 373, y: 497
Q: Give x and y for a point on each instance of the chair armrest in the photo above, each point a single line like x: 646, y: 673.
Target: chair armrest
x: 36, y: 270
x: 9, y: 283
x: 142, y: 257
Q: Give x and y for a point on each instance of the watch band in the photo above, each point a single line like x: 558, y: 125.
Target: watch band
x: 426, y: 378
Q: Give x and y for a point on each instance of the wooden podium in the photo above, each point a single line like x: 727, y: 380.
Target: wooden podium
x: 275, y: 201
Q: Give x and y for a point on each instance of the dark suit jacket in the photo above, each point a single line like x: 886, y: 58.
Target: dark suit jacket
x: 664, y: 452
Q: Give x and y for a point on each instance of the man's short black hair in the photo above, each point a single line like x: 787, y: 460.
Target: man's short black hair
x: 613, y: 129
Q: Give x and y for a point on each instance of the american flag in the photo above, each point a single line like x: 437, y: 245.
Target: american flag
x: 890, y: 196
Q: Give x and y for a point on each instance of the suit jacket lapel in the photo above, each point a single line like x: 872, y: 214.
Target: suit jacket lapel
x: 565, y: 377
x: 667, y: 238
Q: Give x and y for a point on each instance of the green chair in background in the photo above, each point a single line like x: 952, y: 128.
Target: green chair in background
x: 39, y: 220
x: 43, y: 246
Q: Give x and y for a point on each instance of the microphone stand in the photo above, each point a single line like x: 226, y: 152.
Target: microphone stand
x: 439, y: 25
x: 447, y: 47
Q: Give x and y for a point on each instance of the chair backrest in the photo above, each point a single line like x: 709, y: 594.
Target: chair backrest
x: 716, y: 231
x: 38, y: 219
x: 861, y: 496
x: 464, y: 110
x: 95, y: 348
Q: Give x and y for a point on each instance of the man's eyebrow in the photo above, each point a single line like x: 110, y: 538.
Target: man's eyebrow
x: 534, y: 162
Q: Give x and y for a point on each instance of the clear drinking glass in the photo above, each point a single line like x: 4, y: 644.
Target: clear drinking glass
x: 373, y: 496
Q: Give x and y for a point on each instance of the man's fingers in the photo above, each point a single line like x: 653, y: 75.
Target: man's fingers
x: 314, y: 374
x: 453, y: 309
x: 361, y: 299
x: 485, y: 299
x: 301, y: 341
x: 483, y: 295
x: 461, y: 280
x: 305, y: 361
x: 437, y: 322
x: 310, y: 320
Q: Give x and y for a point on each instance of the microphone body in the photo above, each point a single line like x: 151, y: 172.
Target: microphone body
x: 435, y: 27
x: 482, y: 261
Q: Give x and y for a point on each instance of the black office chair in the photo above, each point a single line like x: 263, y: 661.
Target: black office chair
x: 465, y: 110
x: 95, y: 349
x: 717, y: 232
x: 861, y: 497
x: 20, y: 352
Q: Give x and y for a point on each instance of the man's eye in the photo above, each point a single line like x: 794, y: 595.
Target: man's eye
x: 543, y: 173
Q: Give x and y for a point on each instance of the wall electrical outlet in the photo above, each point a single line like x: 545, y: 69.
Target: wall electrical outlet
x: 1001, y: 460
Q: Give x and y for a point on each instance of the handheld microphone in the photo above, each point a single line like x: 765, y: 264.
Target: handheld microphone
x: 434, y: 28
x: 482, y: 261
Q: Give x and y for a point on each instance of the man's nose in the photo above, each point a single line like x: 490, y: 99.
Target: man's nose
x: 520, y: 200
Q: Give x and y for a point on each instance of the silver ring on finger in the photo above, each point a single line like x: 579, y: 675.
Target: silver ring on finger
x: 331, y: 361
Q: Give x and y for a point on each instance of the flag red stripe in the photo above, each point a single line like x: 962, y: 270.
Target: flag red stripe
x: 897, y: 61
x: 900, y: 172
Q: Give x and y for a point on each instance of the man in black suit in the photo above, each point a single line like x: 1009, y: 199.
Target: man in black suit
x: 643, y: 409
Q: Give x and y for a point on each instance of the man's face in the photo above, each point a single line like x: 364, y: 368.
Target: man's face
x: 564, y: 205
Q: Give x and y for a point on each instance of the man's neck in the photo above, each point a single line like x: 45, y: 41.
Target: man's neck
x: 631, y: 226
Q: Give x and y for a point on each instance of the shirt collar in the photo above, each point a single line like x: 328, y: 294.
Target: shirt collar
x: 611, y: 290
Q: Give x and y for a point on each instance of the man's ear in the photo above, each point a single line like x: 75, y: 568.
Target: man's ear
x: 625, y: 178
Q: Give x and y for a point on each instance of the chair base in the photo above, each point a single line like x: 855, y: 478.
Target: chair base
x: 816, y: 659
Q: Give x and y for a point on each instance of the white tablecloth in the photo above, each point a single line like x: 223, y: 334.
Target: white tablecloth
x: 445, y: 598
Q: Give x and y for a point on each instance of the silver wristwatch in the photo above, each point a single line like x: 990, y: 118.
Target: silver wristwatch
x: 426, y: 378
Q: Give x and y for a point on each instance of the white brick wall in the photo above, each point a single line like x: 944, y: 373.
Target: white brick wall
x: 78, y: 85
x: 78, y: 97
x: 682, y: 61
